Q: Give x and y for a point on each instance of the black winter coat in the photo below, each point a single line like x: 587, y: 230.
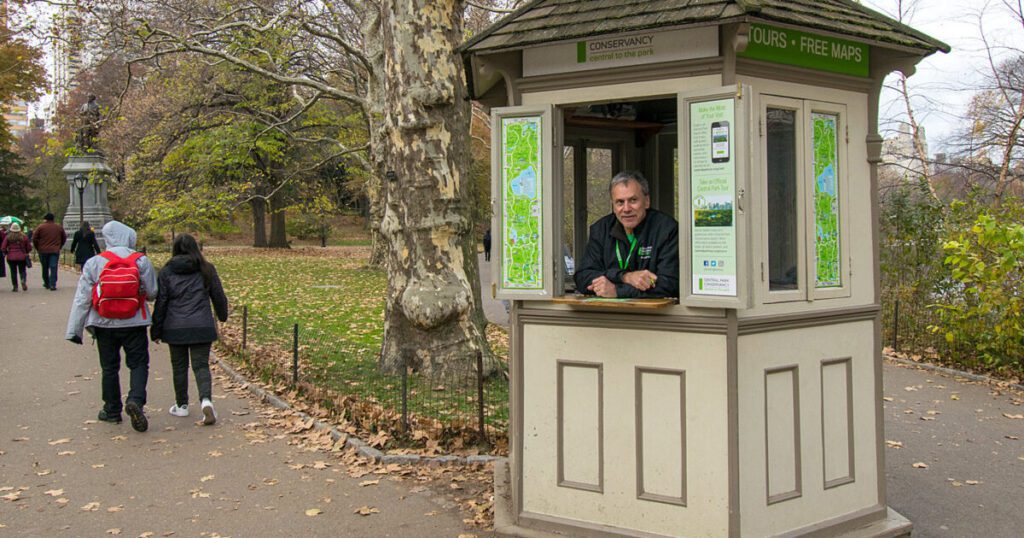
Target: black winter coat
x: 84, y: 247
x: 182, y: 313
x: 657, y: 251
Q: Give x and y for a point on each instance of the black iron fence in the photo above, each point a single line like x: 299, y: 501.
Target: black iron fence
x: 466, y: 405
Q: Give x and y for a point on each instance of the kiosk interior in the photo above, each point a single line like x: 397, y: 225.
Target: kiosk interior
x: 750, y: 405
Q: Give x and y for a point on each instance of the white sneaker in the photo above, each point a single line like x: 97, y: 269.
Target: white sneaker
x: 179, y: 410
x: 209, y: 415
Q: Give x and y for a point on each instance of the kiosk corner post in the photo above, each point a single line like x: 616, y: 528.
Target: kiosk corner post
x: 480, y: 395
x: 295, y: 354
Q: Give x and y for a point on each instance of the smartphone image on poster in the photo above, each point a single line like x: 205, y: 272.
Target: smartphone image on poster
x: 720, y: 142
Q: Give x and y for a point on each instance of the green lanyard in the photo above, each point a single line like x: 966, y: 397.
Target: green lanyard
x: 618, y: 255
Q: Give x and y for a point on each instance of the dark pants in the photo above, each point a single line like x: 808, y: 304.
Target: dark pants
x: 200, y: 367
x: 135, y: 343
x: 49, y: 264
x: 16, y: 269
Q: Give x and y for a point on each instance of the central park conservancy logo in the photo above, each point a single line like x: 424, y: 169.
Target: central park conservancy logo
x: 601, y: 50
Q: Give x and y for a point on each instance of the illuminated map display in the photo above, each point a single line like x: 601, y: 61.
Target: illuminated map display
x: 826, y: 201
x: 522, y: 223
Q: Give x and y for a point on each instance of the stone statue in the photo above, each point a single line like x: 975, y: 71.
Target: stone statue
x: 89, y: 128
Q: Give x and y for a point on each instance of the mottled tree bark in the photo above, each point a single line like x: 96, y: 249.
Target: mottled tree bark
x: 420, y: 135
x: 259, y: 225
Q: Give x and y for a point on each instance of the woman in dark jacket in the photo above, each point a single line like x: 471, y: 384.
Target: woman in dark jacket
x: 84, y: 244
x: 182, y: 317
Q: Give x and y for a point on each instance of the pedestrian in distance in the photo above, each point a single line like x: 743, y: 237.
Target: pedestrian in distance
x: 182, y: 318
x: 3, y: 264
x: 84, y: 244
x: 110, y: 303
x: 487, y: 245
x: 48, y: 238
x: 16, y: 248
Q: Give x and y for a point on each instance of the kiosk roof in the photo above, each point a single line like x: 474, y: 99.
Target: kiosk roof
x: 546, y: 21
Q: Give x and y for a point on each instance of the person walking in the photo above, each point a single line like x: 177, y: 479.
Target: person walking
x: 487, y: 245
x: 111, y: 303
x: 16, y: 248
x: 48, y: 238
x: 84, y: 244
x: 3, y: 265
x: 182, y: 318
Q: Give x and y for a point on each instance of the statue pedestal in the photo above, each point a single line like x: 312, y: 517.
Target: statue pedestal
x: 94, y: 208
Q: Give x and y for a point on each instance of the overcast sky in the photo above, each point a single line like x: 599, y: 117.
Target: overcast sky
x: 944, y: 83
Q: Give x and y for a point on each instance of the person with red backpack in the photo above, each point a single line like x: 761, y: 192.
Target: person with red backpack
x: 111, y: 304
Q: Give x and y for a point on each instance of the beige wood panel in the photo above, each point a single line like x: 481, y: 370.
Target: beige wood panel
x: 579, y: 418
x: 837, y: 435
x: 782, y: 433
x: 806, y: 348
x: 620, y: 352
x: 661, y: 435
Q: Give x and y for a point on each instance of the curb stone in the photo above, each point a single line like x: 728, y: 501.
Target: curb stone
x: 360, y: 446
x: 952, y: 372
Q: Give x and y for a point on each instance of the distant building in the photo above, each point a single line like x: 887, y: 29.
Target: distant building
x: 16, y: 116
x: 899, y: 157
x: 67, y: 53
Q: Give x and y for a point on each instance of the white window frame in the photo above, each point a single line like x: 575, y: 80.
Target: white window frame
x: 807, y: 256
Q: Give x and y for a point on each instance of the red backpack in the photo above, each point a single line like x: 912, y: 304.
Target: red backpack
x: 118, y: 294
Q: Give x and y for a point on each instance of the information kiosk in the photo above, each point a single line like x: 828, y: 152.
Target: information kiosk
x: 751, y: 405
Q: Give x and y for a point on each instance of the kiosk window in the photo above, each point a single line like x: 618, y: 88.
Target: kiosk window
x: 783, y: 239
x: 803, y: 175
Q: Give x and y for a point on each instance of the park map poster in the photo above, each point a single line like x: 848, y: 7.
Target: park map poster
x: 712, y: 197
x: 521, y: 198
x: 826, y: 201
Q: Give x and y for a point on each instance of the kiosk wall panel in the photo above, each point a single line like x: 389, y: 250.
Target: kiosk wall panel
x: 661, y: 435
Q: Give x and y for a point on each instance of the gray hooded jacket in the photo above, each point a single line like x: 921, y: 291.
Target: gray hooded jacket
x: 121, y: 241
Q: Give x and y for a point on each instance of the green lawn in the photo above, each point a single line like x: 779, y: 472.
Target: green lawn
x: 338, y: 303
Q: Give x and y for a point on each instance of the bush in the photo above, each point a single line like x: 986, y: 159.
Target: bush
x: 984, y: 309
x: 152, y: 236
x: 308, y: 226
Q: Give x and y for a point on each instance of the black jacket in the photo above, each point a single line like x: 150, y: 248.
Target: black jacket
x: 657, y: 251
x: 182, y: 313
x: 84, y: 247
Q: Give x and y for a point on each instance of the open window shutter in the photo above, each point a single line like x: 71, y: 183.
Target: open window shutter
x: 714, y: 151
x: 523, y: 193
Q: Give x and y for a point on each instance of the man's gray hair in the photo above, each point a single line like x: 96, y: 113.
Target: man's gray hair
x: 629, y: 175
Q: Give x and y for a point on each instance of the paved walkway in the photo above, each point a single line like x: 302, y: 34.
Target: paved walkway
x: 64, y: 474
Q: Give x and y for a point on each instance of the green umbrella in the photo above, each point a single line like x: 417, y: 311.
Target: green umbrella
x: 6, y: 221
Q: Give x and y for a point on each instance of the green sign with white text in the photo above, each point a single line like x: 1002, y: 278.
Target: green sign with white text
x: 802, y: 49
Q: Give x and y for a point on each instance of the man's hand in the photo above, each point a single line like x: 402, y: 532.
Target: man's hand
x: 602, y: 287
x: 642, y: 280
x: 75, y: 339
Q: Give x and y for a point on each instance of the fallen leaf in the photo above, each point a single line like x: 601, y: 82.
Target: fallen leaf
x: 887, y: 398
x: 66, y: 453
x: 54, y: 492
x: 19, y: 439
x: 44, y: 472
x: 91, y: 507
x: 206, y: 478
x: 893, y: 444
x: 214, y: 454
x: 365, y: 483
x: 60, y: 441
x: 366, y: 510
x: 954, y: 397
x: 113, y: 509
x: 1014, y: 417
x: 956, y: 484
x: 920, y: 465
x: 320, y: 465
x: 99, y: 465
x: 114, y: 531
x: 972, y: 482
x: 147, y: 534
x: 16, y: 496
x: 118, y: 438
x: 910, y: 389
x: 314, y: 512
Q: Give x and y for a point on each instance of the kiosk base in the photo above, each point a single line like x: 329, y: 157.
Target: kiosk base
x: 893, y: 525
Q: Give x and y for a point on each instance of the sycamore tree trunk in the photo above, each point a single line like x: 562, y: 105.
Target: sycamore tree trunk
x: 278, y: 236
x: 420, y: 136
x: 259, y: 225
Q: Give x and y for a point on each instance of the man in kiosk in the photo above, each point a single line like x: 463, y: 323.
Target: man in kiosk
x: 634, y: 251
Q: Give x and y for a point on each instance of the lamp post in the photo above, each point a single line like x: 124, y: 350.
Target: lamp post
x: 80, y: 181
